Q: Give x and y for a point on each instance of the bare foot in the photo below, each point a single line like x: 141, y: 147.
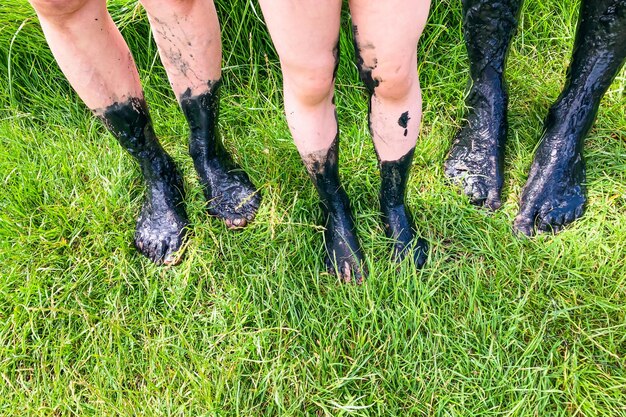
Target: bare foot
x: 161, y: 226
x: 344, y: 257
x: 398, y: 227
x: 554, y: 194
x: 476, y: 158
x: 230, y: 194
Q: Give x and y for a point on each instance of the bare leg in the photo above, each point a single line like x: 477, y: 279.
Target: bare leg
x: 554, y: 194
x: 188, y: 37
x: 96, y: 60
x: 477, y: 155
x: 306, y: 34
x: 387, y: 62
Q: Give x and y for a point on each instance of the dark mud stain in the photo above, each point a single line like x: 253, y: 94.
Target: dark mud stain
x: 365, y: 70
x: 230, y: 194
x: 555, y: 193
x: 397, y: 220
x: 344, y: 256
x: 403, y: 121
x: 162, y: 222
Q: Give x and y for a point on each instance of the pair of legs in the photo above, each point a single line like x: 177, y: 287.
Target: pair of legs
x: 554, y: 194
x: 306, y: 35
x: 98, y: 64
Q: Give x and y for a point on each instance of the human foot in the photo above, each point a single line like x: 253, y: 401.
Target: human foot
x: 554, y: 194
x: 398, y: 228
x: 344, y: 257
x: 396, y: 220
x: 230, y: 194
x: 476, y: 158
x: 161, y: 226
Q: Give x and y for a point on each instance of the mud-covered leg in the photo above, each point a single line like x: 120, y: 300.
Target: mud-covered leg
x: 161, y: 226
x: 98, y: 64
x: 387, y: 62
x: 343, y: 251
x: 305, y: 34
x: 230, y: 193
x: 397, y: 221
x: 476, y: 158
x: 554, y: 194
x: 187, y: 34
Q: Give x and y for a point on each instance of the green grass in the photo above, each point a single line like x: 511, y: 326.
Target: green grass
x: 249, y: 324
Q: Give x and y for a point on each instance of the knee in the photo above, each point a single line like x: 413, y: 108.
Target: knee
x: 395, y: 81
x: 311, y: 86
x: 57, y: 9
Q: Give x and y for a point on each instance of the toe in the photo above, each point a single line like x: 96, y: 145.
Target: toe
x: 546, y: 221
x: 238, y: 222
x: 579, y: 211
x: 173, y: 254
x: 524, y: 224
x: 346, y: 272
x: 493, y: 201
x: 476, y: 191
x: 151, y: 250
x: 358, y: 276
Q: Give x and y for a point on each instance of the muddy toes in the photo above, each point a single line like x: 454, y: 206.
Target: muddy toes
x: 236, y: 207
x: 346, y: 271
x: 166, y: 251
x: 524, y: 224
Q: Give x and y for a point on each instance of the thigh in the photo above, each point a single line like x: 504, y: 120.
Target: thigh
x: 387, y: 32
x: 304, y: 32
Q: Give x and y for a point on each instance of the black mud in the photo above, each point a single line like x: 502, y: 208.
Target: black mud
x: 399, y: 226
x: 161, y: 225
x: 344, y: 256
x: 403, y: 121
x: 554, y: 194
x: 476, y: 158
x: 230, y: 194
x: 365, y: 70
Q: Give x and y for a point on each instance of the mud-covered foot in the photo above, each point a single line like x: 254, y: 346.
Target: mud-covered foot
x: 230, y: 194
x: 161, y: 226
x: 554, y: 194
x: 476, y: 158
x: 344, y: 257
x: 398, y: 228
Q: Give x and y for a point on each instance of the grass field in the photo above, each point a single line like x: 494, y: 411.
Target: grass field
x: 249, y: 324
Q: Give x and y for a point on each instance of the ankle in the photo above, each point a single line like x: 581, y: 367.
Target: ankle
x: 158, y: 165
x: 488, y: 92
